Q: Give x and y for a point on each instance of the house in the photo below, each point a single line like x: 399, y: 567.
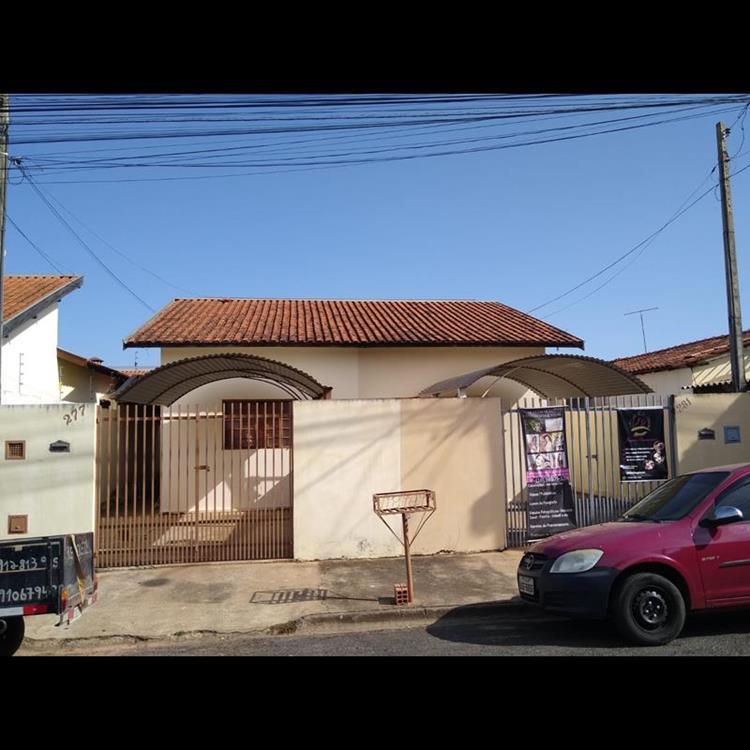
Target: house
x: 270, y: 425
x: 702, y: 366
x: 264, y: 405
x: 30, y: 371
x: 86, y: 380
x: 354, y: 349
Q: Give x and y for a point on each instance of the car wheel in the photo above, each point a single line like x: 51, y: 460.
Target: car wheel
x: 11, y: 635
x: 648, y: 609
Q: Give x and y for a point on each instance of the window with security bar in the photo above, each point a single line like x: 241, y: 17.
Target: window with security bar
x: 253, y: 425
x: 15, y: 450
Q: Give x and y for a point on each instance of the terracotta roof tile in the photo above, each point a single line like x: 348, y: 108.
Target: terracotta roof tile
x: 675, y: 357
x: 21, y: 292
x: 277, y: 322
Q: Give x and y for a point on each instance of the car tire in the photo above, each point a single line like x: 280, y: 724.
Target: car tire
x: 12, y: 630
x: 648, y: 609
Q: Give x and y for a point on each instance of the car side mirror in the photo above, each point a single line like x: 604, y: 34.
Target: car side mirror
x: 723, y: 515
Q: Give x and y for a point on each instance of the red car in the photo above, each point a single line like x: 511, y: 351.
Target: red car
x: 684, y: 547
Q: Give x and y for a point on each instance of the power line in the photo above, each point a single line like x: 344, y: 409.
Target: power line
x: 34, y: 245
x: 647, y: 242
x: 375, y: 119
x: 318, y: 163
x: 629, y: 252
x: 121, y: 160
x: 119, y: 252
x: 83, y: 244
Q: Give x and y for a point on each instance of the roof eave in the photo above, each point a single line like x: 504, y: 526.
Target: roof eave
x: 146, y: 344
x: 33, y: 311
x: 76, y: 359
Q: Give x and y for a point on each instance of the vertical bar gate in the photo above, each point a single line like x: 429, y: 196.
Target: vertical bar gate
x: 191, y: 484
x: 593, y: 459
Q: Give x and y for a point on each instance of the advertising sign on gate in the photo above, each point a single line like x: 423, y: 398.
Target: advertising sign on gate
x: 643, y: 454
x: 550, y: 506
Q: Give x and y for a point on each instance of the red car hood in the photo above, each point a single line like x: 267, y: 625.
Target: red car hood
x: 606, y: 536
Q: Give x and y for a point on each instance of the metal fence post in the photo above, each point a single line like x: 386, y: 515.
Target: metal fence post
x: 672, y: 421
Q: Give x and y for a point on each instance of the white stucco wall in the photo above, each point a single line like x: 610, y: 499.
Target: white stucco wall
x: 387, y: 372
x: 55, y: 490
x: 346, y: 451
x: 29, y: 362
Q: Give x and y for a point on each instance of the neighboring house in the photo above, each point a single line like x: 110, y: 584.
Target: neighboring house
x: 360, y: 349
x: 86, y: 380
x: 29, y: 344
x: 702, y: 366
x: 133, y: 372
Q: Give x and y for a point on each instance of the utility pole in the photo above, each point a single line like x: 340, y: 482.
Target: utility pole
x: 643, y: 328
x: 730, y: 263
x: 4, y: 122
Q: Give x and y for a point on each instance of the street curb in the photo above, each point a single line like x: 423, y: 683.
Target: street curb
x: 305, y: 623
x: 397, y: 615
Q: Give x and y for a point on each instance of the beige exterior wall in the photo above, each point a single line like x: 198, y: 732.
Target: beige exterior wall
x: 403, y: 373
x: 80, y: 384
x: 714, y: 411
x: 455, y: 448
x: 669, y: 382
x: 335, y: 367
x: 344, y: 452
x: 55, y: 490
x: 29, y: 362
x: 387, y: 372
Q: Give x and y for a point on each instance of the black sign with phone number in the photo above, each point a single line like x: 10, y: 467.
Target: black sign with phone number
x: 33, y: 571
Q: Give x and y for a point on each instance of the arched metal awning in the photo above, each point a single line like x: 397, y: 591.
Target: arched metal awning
x: 552, y: 376
x: 164, y: 385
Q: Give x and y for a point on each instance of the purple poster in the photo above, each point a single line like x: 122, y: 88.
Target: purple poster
x: 545, y: 446
x: 550, y: 507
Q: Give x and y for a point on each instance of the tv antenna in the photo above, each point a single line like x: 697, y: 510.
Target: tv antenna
x: 643, y: 328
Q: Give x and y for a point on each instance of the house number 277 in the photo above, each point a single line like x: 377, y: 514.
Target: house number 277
x: 74, y: 414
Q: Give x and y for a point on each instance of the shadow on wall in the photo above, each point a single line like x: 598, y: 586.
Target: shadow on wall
x: 460, y: 455
x: 453, y: 447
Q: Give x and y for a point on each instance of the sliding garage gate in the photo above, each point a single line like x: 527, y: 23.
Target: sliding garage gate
x: 593, y: 459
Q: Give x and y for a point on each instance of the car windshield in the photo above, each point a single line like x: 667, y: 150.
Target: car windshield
x: 674, y: 499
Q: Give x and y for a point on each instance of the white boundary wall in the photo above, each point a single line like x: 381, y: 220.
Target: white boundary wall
x: 55, y: 490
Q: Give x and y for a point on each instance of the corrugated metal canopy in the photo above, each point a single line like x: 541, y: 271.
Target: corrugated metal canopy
x: 553, y: 376
x: 717, y: 372
x: 165, y: 384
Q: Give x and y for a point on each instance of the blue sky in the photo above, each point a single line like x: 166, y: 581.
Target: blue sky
x: 518, y: 226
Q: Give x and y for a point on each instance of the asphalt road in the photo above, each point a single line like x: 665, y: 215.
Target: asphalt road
x: 521, y: 633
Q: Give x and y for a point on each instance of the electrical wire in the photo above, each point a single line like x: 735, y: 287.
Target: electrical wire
x: 263, y: 167
x: 34, y: 245
x: 642, y: 245
x: 633, y: 249
x: 82, y: 242
x: 119, y: 252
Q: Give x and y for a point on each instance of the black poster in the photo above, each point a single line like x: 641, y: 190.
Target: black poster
x: 643, y: 453
x: 550, y: 507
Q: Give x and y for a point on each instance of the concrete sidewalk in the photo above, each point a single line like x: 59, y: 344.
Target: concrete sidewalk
x: 280, y: 597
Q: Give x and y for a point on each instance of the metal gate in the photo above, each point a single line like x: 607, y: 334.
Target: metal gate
x: 190, y: 484
x: 593, y: 456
